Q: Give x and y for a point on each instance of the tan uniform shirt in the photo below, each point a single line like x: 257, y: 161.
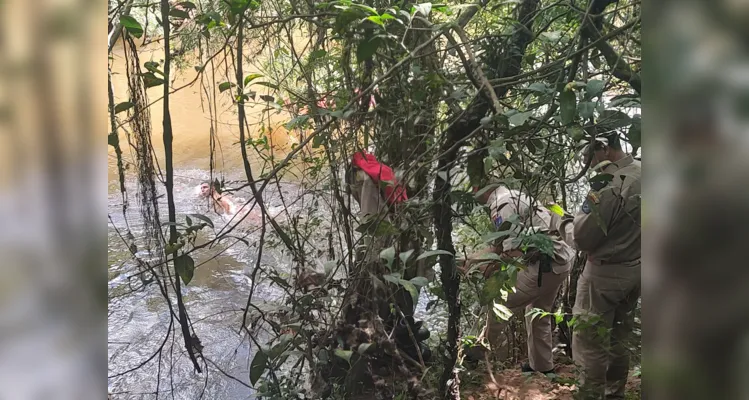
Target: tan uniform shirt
x: 505, y: 203
x: 607, y: 227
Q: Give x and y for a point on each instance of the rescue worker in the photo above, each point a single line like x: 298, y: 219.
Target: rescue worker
x: 607, y: 228
x: 374, y: 186
x: 538, y: 283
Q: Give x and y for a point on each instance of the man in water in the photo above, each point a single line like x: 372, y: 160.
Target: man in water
x: 222, y: 204
x: 538, y: 283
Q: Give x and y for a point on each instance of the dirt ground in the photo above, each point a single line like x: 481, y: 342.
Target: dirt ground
x: 514, y: 385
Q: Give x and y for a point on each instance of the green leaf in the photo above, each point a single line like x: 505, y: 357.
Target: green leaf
x: 367, y: 48
x: 404, y: 256
x: 396, y: 279
x: 386, y: 16
x: 411, y: 289
x: 501, y: 311
x: 520, y: 118
x: 493, y: 236
x: 585, y: 109
x: 567, y: 106
x: 224, y: 86
x: 576, y: 133
x: 487, y: 188
x: 151, y: 80
x: 258, y: 365
x: 424, y: 8
x: 319, y: 53
x: 553, y: 36
x: 433, y: 253
x: 419, y: 281
x: 172, y: 248
x: 388, y: 255
x: 132, y: 26
x: 153, y: 67
x: 610, y: 120
x: 539, y: 87
x: 125, y: 105
x: 249, y: 78
x: 189, y: 220
x: 185, y: 267
x: 365, y: 8
x: 177, y: 13
x: 392, y: 278
x: 492, y: 289
x: 363, y: 347
x: 376, y: 19
x: 267, y: 84
x: 625, y: 100
x: 594, y: 88
x: 556, y: 209
x: 202, y: 218
x: 344, y: 354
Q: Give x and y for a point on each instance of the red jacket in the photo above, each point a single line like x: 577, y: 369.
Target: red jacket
x: 394, y: 192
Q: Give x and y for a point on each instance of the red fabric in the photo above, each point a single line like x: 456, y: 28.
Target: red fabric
x: 394, y: 193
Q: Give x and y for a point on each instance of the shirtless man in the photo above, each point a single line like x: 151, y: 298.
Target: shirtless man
x: 221, y: 204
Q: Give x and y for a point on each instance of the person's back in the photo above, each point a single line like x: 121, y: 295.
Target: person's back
x: 610, y: 229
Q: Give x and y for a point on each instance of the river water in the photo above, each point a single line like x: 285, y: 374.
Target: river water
x: 139, y: 318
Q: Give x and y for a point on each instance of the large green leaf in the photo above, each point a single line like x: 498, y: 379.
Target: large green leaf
x: 492, y: 289
x: 344, y: 354
x: 132, y: 26
x: 388, y: 255
x: 151, y: 80
x: 185, y: 267
x: 567, y: 105
x: 419, y: 281
x: 424, y: 9
x: 501, y: 311
x: 610, y: 120
x: 258, y: 365
x: 125, y: 105
x: 224, y: 86
x: 519, y: 119
x: 492, y: 236
x: 594, y: 88
x: 404, y: 256
x: 202, y: 218
x: 585, y: 109
x: 367, y: 48
x: 251, y: 77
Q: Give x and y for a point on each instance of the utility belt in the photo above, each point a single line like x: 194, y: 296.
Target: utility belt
x: 603, y: 263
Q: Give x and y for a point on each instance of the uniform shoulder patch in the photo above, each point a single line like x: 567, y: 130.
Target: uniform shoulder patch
x: 590, y: 200
x: 586, y: 206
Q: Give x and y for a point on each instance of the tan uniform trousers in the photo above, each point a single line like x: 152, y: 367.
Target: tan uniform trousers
x: 606, y: 298
x: 526, y: 297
